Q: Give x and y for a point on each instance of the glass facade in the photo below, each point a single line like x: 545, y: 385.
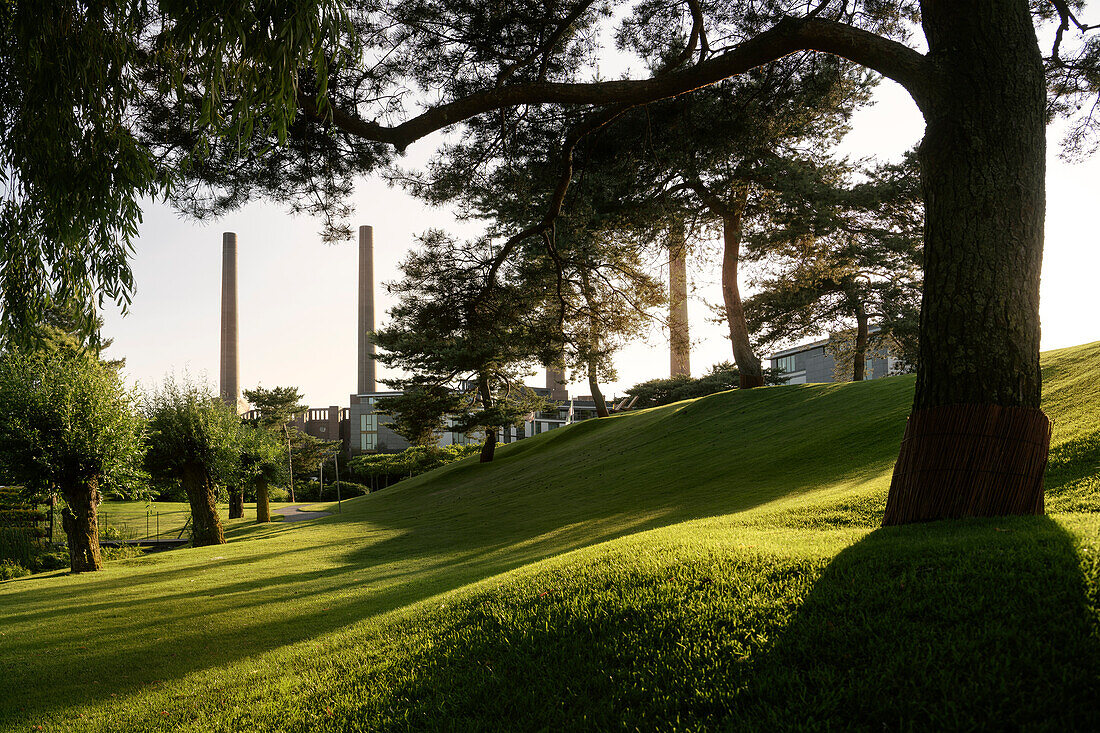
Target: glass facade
x: 786, y: 364
x: 368, y: 428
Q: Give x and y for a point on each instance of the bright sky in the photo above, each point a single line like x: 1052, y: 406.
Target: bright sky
x: 298, y: 295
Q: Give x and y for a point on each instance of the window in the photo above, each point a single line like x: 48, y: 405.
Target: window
x: 368, y: 431
x: 785, y: 364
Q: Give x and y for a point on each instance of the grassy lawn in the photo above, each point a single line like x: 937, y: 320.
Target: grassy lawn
x: 713, y: 563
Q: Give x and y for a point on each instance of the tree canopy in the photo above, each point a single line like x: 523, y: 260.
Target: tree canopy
x: 293, y: 100
x: 70, y: 425
x: 193, y: 440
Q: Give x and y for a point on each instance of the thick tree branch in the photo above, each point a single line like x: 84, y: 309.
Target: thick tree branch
x: 890, y: 58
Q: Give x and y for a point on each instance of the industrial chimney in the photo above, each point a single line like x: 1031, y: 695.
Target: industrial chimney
x: 230, y: 359
x: 679, y: 338
x: 555, y: 382
x: 366, y: 310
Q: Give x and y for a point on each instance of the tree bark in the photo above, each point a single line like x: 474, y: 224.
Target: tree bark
x: 983, y: 176
x: 597, y: 395
x: 749, y: 372
x: 236, y: 503
x: 859, y: 354
x: 593, y: 346
x: 263, y: 501
x: 206, y: 526
x: 489, y: 447
x: 80, y: 522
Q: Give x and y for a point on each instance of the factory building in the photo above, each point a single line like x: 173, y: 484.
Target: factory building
x: 359, y: 426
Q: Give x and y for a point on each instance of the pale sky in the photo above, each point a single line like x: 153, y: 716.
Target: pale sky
x: 298, y: 295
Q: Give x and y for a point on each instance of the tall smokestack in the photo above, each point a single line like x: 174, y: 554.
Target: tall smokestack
x: 679, y: 338
x: 366, y: 310
x: 555, y: 382
x: 230, y: 359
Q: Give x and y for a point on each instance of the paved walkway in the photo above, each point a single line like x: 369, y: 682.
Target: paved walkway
x: 294, y: 513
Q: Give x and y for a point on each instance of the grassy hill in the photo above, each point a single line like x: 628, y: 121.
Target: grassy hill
x: 712, y: 563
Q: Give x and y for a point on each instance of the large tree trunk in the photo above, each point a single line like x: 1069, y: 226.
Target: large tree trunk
x: 679, y: 334
x: 236, y: 503
x: 859, y: 354
x: 594, y: 346
x: 489, y: 447
x: 263, y: 501
x: 594, y: 388
x: 80, y: 522
x: 206, y: 526
x: 750, y: 374
x: 976, y: 443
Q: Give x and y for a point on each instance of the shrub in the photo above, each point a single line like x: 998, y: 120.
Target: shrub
x: 111, y: 533
x: 410, y: 462
x: 125, y: 552
x: 10, y: 569
x: 348, y: 490
x: 51, y: 561
x: 17, y: 544
x: 721, y: 377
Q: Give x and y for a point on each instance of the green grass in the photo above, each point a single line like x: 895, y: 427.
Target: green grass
x: 140, y: 520
x: 712, y: 563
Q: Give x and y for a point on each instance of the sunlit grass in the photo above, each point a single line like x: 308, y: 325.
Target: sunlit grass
x: 710, y: 563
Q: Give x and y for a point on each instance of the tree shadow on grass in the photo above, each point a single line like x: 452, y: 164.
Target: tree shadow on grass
x: 976, y: 625
x: 952, y: 625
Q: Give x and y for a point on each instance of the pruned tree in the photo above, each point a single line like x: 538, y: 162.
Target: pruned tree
x: 69, y: 425
x: 457, y: 326
x: 277, y: 406
x: 713, y: 162
x: 309, y: 452
x: 263, y: 461
x: 194, y: 439
x: 843, y: 259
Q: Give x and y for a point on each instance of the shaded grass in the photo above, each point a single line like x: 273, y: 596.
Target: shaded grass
x: 139, y: 519
x: 662, y: 568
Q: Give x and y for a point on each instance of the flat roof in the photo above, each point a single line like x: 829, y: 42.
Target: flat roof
x: 812, y: 345
x: 798, y: 349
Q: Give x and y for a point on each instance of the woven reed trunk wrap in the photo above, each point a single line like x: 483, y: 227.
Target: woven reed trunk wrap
x: 969, y: 461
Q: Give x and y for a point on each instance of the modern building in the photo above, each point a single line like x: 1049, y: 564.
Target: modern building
x: 812, y: 364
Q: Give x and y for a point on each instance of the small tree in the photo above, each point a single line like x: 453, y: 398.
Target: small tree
x: 310, y: 452
x: 263, y: 461
x: 69, y: 424
x: 193, y: 439
x: 846, y: 269
x: 458, y: 326
x: 277, y: 406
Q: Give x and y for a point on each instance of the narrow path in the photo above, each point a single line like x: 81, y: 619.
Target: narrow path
x: 295, y: 513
